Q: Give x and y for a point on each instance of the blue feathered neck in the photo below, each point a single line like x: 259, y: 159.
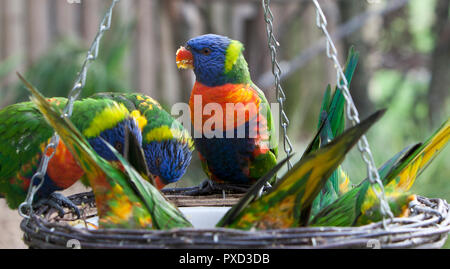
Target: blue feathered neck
x: 116, y: 138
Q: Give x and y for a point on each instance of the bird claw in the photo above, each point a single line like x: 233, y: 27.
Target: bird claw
x: 58, y: 201
x: 264, y: 189
x: 208, y: 187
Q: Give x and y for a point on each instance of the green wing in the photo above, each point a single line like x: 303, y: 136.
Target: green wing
x: 360, y: 206
x: 288, y: 203
x: 23, y: 135
x: 265, y: 162
x: 405, y: 172
x: 347, y: 208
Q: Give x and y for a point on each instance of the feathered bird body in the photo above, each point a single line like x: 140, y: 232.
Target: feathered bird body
x: 24, y: 135
x: 123, y: 198
x: 166, y: 143
x: 361, y: 206
x: 238, y: 149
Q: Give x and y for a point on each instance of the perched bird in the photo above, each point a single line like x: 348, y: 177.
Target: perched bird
x: 166, y: 143
x: 123, y: 199
x: 233, y: 127
x: 288, y: 203
x: 24, y: 134
x: 360, y: 205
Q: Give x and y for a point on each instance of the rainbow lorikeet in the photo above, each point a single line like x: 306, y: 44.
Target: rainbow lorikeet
x: 123, y: 198
x: 167, y: 145
x: 24, y: 135
x: 288, y: 203
x: 360, y: 205
x: 233, y: 127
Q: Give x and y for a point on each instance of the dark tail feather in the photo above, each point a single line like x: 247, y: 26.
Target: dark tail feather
x: 134, y: 154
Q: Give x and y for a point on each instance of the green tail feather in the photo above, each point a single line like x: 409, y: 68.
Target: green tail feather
x: 333, y: 111
x: 417, y: 160
x: 345, y: 210
x: 289, y: 202
x: 360, y: 206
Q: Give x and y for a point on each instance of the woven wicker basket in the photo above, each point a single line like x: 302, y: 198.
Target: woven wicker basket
x: 427, y: 227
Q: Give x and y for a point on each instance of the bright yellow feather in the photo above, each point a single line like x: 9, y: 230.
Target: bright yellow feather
x: 232, y: 54
x: 106, y: 119
x: 140, y: 119
x: 165, y: 133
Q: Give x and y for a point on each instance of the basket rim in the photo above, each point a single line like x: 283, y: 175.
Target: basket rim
x: 423, y: 228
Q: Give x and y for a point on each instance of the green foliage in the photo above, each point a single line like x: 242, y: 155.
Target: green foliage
x: 421, y: 16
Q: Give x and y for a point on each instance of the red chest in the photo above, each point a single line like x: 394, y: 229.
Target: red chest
x: 229, y: 105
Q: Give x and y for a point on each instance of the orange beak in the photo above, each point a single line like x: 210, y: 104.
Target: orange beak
x: 184, y: 59
x: 159, y: 183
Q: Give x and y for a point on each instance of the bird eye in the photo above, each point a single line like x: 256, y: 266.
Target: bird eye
x: 118, y: 146
x: 206, y: 51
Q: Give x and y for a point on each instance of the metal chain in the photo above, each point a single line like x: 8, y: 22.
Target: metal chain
x: 276, y: 71
x: 353, y: 115
x: 75, y: 92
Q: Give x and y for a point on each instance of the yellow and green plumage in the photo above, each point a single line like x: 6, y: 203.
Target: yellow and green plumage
x: 24, y: 135
x: 123, y: 199
x: 166, y: 143
x: 288, y: 203
x: 360, y: 206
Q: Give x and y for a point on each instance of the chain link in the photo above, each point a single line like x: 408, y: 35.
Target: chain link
x: 276, y: 71
x: 75, y: 92
x: 353, y: 115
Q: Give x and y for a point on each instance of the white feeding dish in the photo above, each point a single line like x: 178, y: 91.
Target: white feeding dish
x: 204, y: 217
x: 201, y: 217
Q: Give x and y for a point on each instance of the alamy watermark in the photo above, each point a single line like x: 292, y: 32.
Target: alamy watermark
x: 229, y: 120
x: 73, y: 244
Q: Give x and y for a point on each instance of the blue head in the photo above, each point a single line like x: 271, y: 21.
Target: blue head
x: 216, y: 60
x: 105, y: 120
x: 167, y: 160
x: 115, y: 136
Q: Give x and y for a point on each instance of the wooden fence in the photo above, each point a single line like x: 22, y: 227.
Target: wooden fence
x: 28, y: 28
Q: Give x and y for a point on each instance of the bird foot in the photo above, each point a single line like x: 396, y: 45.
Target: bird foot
x: 264, y: 189
x: 58, y: 202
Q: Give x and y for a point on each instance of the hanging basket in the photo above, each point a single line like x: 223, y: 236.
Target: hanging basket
x: 427, y: 227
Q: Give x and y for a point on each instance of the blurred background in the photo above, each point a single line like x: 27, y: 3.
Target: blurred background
x: 404, y: 64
